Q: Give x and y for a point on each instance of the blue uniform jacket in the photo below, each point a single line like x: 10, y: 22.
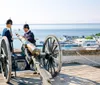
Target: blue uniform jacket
x: 7, y: 33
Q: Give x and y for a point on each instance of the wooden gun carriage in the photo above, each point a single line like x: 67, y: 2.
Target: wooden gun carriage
x: 47, y: 62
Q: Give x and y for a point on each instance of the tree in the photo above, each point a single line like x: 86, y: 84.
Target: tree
x: 89, y: 37
x: 98, y: 34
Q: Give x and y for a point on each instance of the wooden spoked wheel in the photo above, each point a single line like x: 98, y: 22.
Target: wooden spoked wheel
x: 6, y: 64
x: 52, y: 61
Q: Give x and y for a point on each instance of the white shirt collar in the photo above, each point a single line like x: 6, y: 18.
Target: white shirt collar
x: 8, y: 28
x: 27, y: 31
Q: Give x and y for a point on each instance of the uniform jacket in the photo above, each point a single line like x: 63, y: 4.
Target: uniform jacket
x: 30, y: 37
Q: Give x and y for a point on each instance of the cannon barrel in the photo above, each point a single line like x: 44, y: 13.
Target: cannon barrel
x: 31, y: 47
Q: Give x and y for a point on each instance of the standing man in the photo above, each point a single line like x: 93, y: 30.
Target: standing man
x: 7, y: 33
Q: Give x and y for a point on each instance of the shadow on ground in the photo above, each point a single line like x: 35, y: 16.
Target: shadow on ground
x: 71, y: 64
x: 63, y: 79
x: 25, y: 81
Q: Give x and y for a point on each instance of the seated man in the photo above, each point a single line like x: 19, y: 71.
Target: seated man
x: 7, y: 32
x: 28, y: 34
x: 30, y: 37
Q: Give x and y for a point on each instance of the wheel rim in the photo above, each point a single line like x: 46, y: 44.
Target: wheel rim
x: 6, y: 66
x: 52, y: 61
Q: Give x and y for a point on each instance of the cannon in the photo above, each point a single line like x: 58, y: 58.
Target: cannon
x: 46, y: 62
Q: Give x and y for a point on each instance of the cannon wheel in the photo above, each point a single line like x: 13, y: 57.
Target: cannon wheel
x: 6, y: 64
x: 52, y: 61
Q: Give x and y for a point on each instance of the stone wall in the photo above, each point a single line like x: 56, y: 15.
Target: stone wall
x: 82, y: 52
x: 89, y: 57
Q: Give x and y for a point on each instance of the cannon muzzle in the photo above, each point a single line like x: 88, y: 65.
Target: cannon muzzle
x: 31, y: 47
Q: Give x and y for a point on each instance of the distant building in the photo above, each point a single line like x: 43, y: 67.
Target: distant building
x: 97, y: 38
x: 70, y: 38
x: 85, y: 42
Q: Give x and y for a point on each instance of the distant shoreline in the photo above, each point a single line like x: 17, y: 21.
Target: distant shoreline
x: 59, y: 24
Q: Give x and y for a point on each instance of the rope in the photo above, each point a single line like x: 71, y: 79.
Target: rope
x: 87, y: 58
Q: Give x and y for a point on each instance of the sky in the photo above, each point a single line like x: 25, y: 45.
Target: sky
x: 50, y: 11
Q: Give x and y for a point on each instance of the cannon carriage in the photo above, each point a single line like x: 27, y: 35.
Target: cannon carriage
x: 46, y: 62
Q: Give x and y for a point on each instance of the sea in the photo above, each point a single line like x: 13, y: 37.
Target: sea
x: 41, y: 31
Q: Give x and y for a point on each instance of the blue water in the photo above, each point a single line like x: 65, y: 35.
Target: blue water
x: 42, y: 31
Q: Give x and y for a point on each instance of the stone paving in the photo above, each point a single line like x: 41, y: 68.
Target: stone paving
x: 72, y: 74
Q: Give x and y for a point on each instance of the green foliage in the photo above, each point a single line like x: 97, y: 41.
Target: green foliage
x: 89, y: 37
x: 98, y: 34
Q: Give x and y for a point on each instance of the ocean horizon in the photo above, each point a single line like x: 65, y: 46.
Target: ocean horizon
x: 41, y: 31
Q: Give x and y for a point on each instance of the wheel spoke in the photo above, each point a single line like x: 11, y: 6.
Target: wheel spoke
x: 55, y: 54
x: 53, y: 67
x: 3, y: 52
x: 55, y: 48
x: 48, y: 66
x: 6, y: 71
x: 53, y: 45
x: 49, y: 45
x: 51, y: 41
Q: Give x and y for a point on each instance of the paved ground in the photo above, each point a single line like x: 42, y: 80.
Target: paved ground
x: 70, y: 75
